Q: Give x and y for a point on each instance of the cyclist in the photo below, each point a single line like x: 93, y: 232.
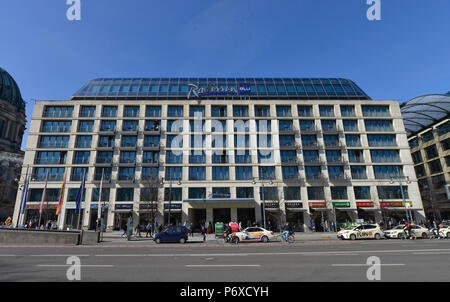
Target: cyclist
x: 286, y: 231
x: 407, y: 229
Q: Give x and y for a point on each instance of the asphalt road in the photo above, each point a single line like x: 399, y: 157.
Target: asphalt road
x: 401, y: 260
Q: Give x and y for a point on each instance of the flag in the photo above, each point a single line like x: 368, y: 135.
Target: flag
x: 80, y: 194
x: 58, y: 210
x: 23, y: 202
x: 43, y: 195
x: 99, y: 210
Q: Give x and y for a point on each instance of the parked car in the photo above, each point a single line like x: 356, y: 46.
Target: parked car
x: 445, y: 232
x: 399, y: 233
x: 253, y: 234
x: 172, y: 234
x: 362, y: 231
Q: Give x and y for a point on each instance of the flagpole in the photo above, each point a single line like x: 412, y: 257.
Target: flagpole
x: 80, y: 195
x: 24, y: 193
x: 42, y: 200
x: 58, y: 209
x: 99, y: 209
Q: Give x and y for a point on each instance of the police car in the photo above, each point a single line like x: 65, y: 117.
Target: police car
x: 253, y: 234
x: 362, y: 231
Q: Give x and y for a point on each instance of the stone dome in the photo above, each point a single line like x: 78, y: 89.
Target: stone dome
x: 9, y: 91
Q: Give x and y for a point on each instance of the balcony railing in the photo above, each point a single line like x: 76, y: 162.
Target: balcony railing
x: 310, y: 144
x: 53, y: 145
x: 56, y: 129
x: 81, y: 161
x: 85, y: 129
x: 243, y: 159
x: 287, y: 144
x: 335, y: 160
x: 337, y: 176
x: 83, y: 145
x: 289, y: 160
x: 308, y: 129
x: 126, y: 177
x: 49, y: 161
x: 332, y: 144
x: 128, y: 160
x: 104, y: 160
x: 151, y: 145
x: 107, y: 128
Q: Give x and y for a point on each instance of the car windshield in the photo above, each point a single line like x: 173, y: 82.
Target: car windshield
x: 399, y: 227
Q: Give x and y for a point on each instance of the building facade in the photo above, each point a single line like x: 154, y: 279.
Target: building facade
x: 306, y: 151
x: 428, y: 129
x: 12, y: 127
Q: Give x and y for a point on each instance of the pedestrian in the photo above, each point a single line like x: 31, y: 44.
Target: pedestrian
x: 209, y: 228
x: 138, y: 230
x: 124, y: 228
x: 149, y: 229
x: 435, y: 229
x: 189, y: 227
x: 204, y: 230
x: 313, y: 224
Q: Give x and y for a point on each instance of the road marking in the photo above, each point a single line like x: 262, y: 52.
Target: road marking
x: 66, y: 265
x: 223, y: 265
x: 58, y: 255
x: 357, y: 264
x: 432, y: 253
x: 8, y: 255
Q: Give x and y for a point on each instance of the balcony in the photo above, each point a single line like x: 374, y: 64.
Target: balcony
x: 54, y: 114
x: 126, y: 177
x: 306, y: 129
x: 81, y: 161
x: 338, y: 177
x: 287, y: 144
x: 128, y: 160
x: 85, y: 129
x: 53, y: 145
x: 243, y: 159
x: 57, y: 129
x: 151, y: 145
x: 108, y: 145
x: 329, y: 129
x: 310, y: 145
x: 286, y: 129
x: 49, y: 161
x: 83, y: 145
x: 312, y: 161
x: 332, y: 144
x: 289, y: 160
x: 129, y: 129
x: 315, y: 177
x: 107, y: 129
x: 151, y: 161
x: 152, y: 129
x: 336, y: 160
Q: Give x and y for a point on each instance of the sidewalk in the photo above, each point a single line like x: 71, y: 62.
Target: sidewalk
x: 115, y: 237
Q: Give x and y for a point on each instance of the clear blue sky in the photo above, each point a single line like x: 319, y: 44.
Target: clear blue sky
x: 404, y: 55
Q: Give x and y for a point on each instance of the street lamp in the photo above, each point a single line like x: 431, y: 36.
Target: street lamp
x: 170, y: 196
x: 399, y: 179
x: 264, y: 200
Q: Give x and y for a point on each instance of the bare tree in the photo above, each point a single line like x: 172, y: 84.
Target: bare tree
x: 149, y: 196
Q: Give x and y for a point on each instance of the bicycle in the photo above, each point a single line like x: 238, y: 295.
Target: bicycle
x: 290, y: 238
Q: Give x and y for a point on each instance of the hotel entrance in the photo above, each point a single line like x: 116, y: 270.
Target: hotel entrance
x: 221, y: 215
x: 246, y: 216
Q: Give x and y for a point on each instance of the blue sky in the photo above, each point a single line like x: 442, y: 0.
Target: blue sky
x: 404, y: 55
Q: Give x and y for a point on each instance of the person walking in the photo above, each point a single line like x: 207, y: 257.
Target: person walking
x: 149, y: 230
x: 138, y: 230
x: 204, y: 233
x: 435, y: 229
x: 124, y: 228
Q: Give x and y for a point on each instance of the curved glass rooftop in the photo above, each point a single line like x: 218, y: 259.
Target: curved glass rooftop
x: 320, y: 88
x: 422, y: 112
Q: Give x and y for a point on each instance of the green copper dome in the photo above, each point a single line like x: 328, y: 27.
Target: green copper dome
x: 9, y: 91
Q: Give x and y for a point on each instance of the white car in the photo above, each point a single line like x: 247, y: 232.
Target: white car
x: 253, y: 234
x: 362, y: 231
x: 445, y: 232
x: 399, y: 233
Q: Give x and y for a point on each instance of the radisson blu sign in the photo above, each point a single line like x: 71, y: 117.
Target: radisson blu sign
x: 195, y: 91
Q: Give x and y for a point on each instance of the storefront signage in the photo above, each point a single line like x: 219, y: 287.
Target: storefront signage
x: 317, y: 204
x: 95, y: 206
x: 341, y: 204
x: 364, y: 204
x: 272, y: 205
x: 124, y: 206
x: 147, y: 206
x: 293, y: 205
x: 72, y: 206
x: 392, y: 204
x: 219, y: 195
x: 37, y: 206
x: 173, y: 206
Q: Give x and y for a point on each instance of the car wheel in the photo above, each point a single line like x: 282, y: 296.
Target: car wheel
x: 401, y: 236
x: 424, y: 236
x: 377, y: 236
x: 352, y: 237
x: 182, y: 240
x: 235, y: 240
x: 264, y: 239
x: 158, y: 240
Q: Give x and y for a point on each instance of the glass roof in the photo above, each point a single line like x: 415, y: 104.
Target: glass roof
x: 198, y: 87
x: 424, y: 111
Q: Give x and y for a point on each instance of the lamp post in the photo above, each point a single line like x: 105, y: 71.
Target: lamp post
x: 399, y: 179
x: 170, y: 197
x: 264, y: 199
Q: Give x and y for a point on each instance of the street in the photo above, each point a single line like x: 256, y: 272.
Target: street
x: 302, y: 261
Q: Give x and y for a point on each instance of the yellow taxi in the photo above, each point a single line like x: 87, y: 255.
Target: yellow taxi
x: 362, y: 231
x: 253, y: 234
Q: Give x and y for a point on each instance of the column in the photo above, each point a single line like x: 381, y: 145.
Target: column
x: 234, y: 214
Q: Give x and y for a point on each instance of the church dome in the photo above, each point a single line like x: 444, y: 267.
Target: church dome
x: 9, y: 91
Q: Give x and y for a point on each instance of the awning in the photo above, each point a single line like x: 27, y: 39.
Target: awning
x: 123, y: 211
x: 223, y: 200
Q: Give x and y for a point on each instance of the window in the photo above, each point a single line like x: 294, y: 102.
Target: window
x: 197, y: 173
x: 175, y: 111
x: 242, y: 157
x: 219, y: 158
x: 129, y: 125
x: 350, y: 125
x: 244, y: 192
x: 129, y: 141
x: 87, y: 111
x: 106, y: 125
x: 284, y: 111
x: 54, y: 174
x: 56, y: 126
x: 106, y: 173
x: 326, y: 111
x: 358, y: 172
x: 221, y: 192
x: 264, y: 126
x: 241, y: 141
x: 106, y: 141
x: 131, y: 111
x: 315, y: 193
x: 72, y: 194
x: 331, y: 141
x: 218, y: 126
x: 220, y: 173
x: 198, y: 141
x: 50, y: 158
x: 174, y: 173
x: 391, y: 192
x: 150, y: 173
x: 309, y: 141
x: 313, y: 172
x: 50, y: 194
x: 362, y: 192
x: 386, y: 172
x: 58, y: 111
x: 413, y: 143
x: 241, y: 126
x: 339, y: 193
x: 333, y: 156
x: 218, y: 111
x: 355, y: 156
x: 197, y: 157
x: 174, y: 194
x: 150, y: 157
x: 435, y: 166
x: 151, y: 141
x: 289, y: 172
x: 305, y: 111
x: 375, y: 111
x: 83, y: 141
x: 287, y: 140
x: 420, y: 170
x: 311, y: 156
x: 153, y: 111
x: 174, y: 157
x: 438, y: 181
x: 347, y: 111
x: 196, y: 111
x: 265, y: 157
x: 307, y: 125
x: 262, y: 111
x: 264, y: 141
x: 109, y: 111
x: 197, y: 125
x: 445, y: 144
x: 244, y: 173
x: 378, y: 125
x: 417, y: 157
x: 288, y: 156
x: 268, y: 193
x: 240, y: 111
x: 127, y: 173
x: 78, y: 172
x: 81, y: 157
x: 266, y: 173
x: 150, y: 125
x: 431, y: 152
x: 104, y: 197
x: 385, y: 156
x: 427, y: 136
x: 125, y: 194
x: 328, y: 125
x: 292, y: 193
x: 197, y: 193
x: 174, y: 126
x: 380, y: 140
x: 285, y: 125
x: 127, y: 157
x: 443, y: 129
x: 336, y: 172
x: 174, y: 141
